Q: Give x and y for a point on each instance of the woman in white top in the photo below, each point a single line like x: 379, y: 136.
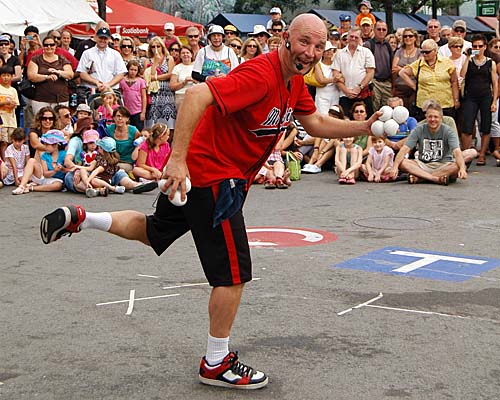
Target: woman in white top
x: 181, y: 78
x: 215, y: 60
x: 327, y: 96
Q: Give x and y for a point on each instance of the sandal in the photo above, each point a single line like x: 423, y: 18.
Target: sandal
x: 269, y: 184
x: 480, y: 161
x: 342, y: 181
x: 412, y: 179
x: 21, y: 190
x: 444, y: 180
x: 350, y: 181
x: 280, y: 184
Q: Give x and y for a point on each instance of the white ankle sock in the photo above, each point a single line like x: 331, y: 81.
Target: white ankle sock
x: 217, y: 349
x: 101, y: 221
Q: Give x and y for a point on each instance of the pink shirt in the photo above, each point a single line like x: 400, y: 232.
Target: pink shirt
x: 132, y: 95
x: 155, y: 159
x: 104, y: 112
x: 378, y: 158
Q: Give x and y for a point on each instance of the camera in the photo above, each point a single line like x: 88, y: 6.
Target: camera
x: 29, y: 37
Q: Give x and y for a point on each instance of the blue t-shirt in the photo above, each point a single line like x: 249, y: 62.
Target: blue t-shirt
x: 47, y: 157
x: 124, y: 147
x: 75, y: 147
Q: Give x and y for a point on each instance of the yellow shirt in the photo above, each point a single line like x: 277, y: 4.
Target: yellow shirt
x: 7, y: 113
x: 434, y: 84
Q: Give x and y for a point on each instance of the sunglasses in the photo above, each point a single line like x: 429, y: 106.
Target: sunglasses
x: 277, y: 30
x: 408, y: 36
x: 68, y: 115
x: 236, y: 46
x: 433, y: 26
x: 229, y: 33
x: 261, y: 35
x: 426, y: 51
x: 49, y: 45
x: 193, y: 36
x: 477, y: 46
x: 252, y: 46
x: 46, y: 118
x: 4, y: 44
x: 493, y: 47
x: 460, y: 30
x: 127, y: 46
x: 381, y: 29
x: 155, y: 47
x: 359, y: 111
x: 175, y: 49
x: 457, y: 46
x: 56, y: 37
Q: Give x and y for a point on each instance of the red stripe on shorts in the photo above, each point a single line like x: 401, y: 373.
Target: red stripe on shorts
x: 230, y: 245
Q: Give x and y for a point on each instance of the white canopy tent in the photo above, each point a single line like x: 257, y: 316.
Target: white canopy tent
x: 15, y: 15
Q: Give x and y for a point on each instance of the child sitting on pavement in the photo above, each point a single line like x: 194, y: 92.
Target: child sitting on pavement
x: 17, y: 155
x: 348, y: 159
x: 107, y: 176
x: 152, y: 154
x: 46, y: 175
x: 378, y: 165
x: 89, y: 152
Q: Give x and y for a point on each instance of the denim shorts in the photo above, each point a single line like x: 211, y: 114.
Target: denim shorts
x: 118, y: 176
x: 68, y: 181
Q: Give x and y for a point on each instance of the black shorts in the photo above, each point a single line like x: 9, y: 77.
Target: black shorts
x: 223, y: 251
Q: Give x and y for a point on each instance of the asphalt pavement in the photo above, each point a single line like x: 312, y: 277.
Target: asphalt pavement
x: 65, y: 332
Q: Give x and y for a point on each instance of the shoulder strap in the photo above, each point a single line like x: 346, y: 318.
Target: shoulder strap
x: 416, y: 78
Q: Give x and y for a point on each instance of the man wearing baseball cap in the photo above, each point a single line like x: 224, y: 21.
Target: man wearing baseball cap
x: 261, y: 34
x: 170, y: 38
x: 230, y: 32
x: 101, y: 66
x: 459, y: 29
x: 366, y: 29
x: 275, y: 16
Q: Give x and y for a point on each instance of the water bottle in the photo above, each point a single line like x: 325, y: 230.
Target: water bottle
x: 73, y: 101
x: 139, y: 140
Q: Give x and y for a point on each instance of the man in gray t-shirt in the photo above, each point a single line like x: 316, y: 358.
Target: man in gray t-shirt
x: 439, y: 154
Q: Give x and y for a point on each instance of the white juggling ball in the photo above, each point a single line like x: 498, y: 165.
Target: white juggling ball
x: 377, y: 128
x: 176, y: 201
x: 391, y: 127
x: 400, y: 114
x: 387, y: 113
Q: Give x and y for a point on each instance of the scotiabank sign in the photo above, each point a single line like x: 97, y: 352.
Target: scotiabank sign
x: 134, y: 30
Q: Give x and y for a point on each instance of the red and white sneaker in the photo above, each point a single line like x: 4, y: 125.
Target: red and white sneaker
x: 231, y: 373
x: 63, y: 221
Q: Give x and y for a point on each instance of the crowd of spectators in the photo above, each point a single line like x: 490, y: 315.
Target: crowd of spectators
x: 129, y: 92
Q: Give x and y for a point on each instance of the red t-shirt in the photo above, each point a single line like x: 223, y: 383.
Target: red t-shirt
x: 235, y: 137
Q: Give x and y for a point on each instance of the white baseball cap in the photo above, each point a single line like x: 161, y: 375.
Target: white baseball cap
x: 168, y: 26
x: 275, y: 10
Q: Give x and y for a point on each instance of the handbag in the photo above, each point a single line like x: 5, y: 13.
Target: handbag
x: 310, y: 79
x: 416, y: 112
x: 293, y: 165
x: 27, y: 88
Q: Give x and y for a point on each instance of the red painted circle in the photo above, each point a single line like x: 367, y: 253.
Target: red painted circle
x: 280, y: 236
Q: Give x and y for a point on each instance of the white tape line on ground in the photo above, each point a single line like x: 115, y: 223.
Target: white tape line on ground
x: 148, y: 276
x: 131, y: 302
x: 380, y: 295
x: 138, y: 299
x: 417, y: 311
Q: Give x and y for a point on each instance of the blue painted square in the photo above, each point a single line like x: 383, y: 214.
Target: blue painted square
x: 422, y: 264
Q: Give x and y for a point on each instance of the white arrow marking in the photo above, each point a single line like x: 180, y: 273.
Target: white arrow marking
x: 426, y: 259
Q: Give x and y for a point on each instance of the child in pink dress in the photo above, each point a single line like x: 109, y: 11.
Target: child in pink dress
x: 152, y: 154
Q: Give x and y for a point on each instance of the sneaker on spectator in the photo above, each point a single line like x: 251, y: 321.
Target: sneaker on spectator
x: 232, y: 374
x: 63, y: 221
x: 145, y: 187
x: 120, y: 189
x: 306, y: 168
x: 91, y: 192
x: 314, y: 169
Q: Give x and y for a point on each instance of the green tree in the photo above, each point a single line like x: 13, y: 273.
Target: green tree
x: 403, y: 6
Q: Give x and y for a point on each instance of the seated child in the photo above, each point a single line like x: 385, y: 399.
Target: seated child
x: 17, y: 155
x: 89, y: 152
x: 364, y: 8
x: 348, y: 159
x: 46, y: 175
x: 379, y: 163
x: 272, y: 172
x: 109, y: 104
x: 152, y: 154
x: 107, y: 176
